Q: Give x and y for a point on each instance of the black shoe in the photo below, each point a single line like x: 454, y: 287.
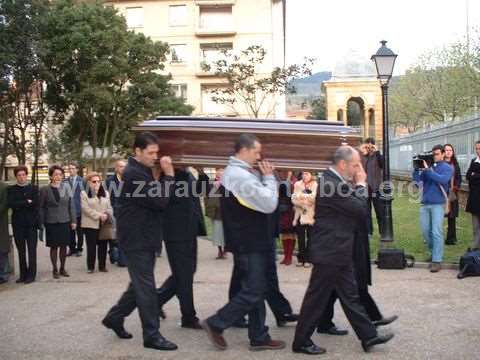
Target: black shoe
x: 195, y: 324
x: 29, y: 280
x: 333, y: 331
x: 311, y: 349
x: 385, y: 321
x: 3, y: 281
x: 242, y: 324
x: 20, y: 280
x: 286, y: 318
x: 377, y: 340
x: 160, y: 344
x: 119, y: 330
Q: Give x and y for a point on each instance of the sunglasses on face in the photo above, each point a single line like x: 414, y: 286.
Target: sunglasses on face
x: 95, y: 181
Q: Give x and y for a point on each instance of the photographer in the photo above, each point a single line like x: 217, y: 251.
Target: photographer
x: 372, y: 162
x: 434, y: 179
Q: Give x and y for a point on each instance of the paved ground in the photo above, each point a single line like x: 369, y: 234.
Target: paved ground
x: 52, y: 319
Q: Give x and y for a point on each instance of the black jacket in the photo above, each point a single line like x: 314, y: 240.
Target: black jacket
x: 183, y: 220
x: 246, y: 230
x: 23, y: 212
x: 338, y: 210
x: 473, y: 178
x: 113, y: 187
x: 361, y: 256
x: 138, y: 207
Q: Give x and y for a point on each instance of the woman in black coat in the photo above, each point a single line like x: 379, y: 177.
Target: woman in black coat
x: 455, y: 183
x: 473, y: 202
x: 23, y: 200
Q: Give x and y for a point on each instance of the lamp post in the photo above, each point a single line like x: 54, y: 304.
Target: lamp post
x: 384, y: 60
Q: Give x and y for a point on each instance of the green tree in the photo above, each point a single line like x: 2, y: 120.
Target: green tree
x: 104, y: 78
x: 248, y: 88
x: 442, y: 86
x: 23, y: 110
x: 319, y: 109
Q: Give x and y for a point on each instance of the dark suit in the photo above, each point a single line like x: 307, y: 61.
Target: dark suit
x: 338, y: 208
x: 363, y: 277
x: 25, y: 222
x: 182, y: 224
x: 77, y: 184
x: 137, y: 217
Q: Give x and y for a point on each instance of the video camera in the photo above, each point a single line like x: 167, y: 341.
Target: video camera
x: 419, y: 158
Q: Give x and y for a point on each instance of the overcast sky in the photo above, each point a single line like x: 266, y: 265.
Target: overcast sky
x: 328, y: 29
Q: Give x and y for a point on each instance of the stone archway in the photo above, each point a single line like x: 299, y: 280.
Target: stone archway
x: 356, y: 113
x: 357, y: 103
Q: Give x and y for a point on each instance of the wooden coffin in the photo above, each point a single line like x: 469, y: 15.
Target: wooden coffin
x: 208, y: 142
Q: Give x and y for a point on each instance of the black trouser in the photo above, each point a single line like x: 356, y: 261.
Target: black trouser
x: 324, y: 280
x: 366, y: 300
x: 140, y: 292
x: 249, y: 300
x: 379, y: 206
x: 303, y: 235
x: 91, y: 237
x: 26, y: 238
x: 76, y: 237
x: 279, y: 305
x: 451, y: 230
x: 182, y: 257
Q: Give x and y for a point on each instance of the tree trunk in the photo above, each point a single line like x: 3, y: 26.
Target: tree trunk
x: 103, y: 160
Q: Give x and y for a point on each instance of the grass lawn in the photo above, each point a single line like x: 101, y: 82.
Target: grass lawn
x: 407, y: 233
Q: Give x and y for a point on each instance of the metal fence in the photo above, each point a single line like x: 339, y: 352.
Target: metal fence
x: 461, y: 134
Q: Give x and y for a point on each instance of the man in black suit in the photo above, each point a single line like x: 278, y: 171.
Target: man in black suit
x: 182, y: 223
x: 140, y: 201
x: 338, y: 207
x: 113, y: 183
x: 363, y: 277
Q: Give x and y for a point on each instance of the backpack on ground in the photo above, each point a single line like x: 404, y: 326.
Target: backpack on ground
x: 469, y: 264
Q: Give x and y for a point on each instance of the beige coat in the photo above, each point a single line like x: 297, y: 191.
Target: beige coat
x: 93, y: 208
x: 304, y: 203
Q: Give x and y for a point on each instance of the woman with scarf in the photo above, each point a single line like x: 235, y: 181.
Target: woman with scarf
x: 304, y: 193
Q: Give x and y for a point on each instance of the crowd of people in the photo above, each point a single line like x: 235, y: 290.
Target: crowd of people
x: 65, y: 214
x: 148, y: 201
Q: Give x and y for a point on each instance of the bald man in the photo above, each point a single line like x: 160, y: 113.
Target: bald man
x: 341, y: 202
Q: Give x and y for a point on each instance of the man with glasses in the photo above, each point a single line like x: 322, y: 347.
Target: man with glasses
x: 433, y: 180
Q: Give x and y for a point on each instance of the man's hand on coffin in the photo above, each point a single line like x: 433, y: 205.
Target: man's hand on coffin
x: 266, y: 168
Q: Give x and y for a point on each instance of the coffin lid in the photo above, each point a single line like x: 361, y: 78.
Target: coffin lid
x: 226, y: 124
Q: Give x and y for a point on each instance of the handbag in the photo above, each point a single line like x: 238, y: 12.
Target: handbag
x: 107, y: 230
x: 394, y: 259
x: 447, y: 202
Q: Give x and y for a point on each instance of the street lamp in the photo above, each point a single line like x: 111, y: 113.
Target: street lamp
x: 384, y: 60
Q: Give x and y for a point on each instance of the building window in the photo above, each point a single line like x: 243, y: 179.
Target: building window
x: 134, y: 16
x: 178, y: 15
x: 178, y: 53
x: 216, y: 18
x: 180, y: 91
x: 211, y: 53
